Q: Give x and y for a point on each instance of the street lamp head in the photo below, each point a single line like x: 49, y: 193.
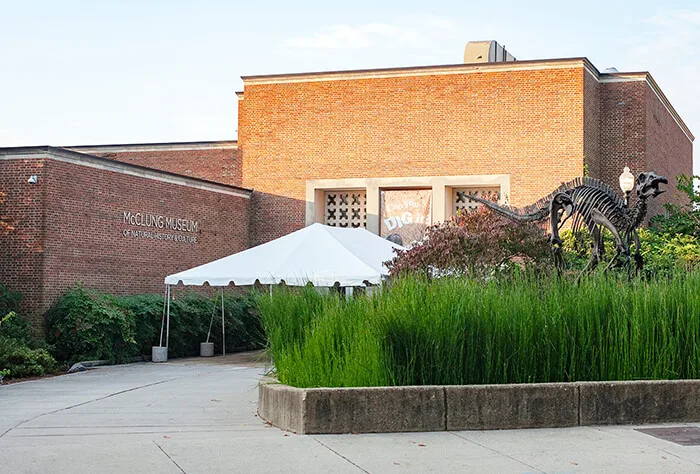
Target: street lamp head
x: 626, y: 181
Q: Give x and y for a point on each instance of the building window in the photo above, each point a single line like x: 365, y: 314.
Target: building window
x: 461, y: 201
x: 346, y: 208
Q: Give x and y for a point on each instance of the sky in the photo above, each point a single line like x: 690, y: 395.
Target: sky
x: 95, y: 72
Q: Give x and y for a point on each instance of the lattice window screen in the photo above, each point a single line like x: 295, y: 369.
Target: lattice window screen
x: 460, y: 197
x: 346, y: 208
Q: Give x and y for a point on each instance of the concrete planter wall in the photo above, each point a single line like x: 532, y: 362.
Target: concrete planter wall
x: 476, y: 407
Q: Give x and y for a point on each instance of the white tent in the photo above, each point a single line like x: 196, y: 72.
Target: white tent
x: 317, y: 254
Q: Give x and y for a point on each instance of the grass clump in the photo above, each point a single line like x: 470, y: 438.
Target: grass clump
x: 460, y: 331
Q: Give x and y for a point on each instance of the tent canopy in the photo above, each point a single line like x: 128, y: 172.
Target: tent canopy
x: 316, y: 254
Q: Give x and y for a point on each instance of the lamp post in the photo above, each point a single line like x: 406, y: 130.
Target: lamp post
x: 627, y: 184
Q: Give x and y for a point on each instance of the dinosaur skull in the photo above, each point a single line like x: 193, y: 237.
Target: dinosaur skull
x: 648, y: 184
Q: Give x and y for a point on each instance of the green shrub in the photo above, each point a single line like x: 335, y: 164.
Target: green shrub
x: 665, y: 254
x: 190, y: 315
x: 85, y: 325
x: 145, y: 311
x: 88, y: 325
x: 681, y: 218
x: 15, y: 327
x: 20, y: 355
x: 9, y: 300
x: 516, y: 330
x: 18, y: 360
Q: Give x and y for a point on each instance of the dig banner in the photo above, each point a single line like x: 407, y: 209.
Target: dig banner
x: 405, y: 214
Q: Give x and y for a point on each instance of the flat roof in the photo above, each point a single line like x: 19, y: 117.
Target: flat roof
x: 119, y: 166
x: 162, y: 146
x: 408, y: 70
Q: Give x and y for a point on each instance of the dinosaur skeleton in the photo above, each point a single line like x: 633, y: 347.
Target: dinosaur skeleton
x: 594, y: 204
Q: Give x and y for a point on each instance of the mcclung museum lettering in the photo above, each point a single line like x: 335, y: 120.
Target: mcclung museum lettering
x: 160, y: 222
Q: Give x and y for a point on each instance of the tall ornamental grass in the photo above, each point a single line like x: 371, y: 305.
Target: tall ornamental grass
x: 458, y: 331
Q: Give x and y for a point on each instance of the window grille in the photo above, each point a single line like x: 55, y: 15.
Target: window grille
x: 346, y: 208
x: 461, y: 201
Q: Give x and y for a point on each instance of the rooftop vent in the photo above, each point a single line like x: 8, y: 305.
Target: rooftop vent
x: 486, y: 52
x: 610, y: 70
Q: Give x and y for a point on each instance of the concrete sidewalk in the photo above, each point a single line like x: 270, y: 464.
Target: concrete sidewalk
x: 198, y: 415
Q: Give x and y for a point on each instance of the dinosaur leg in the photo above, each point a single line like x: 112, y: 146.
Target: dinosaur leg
x: 621, y: 247
x: 596, y: 246
x: 594, y: 229
x: 638, y: 259
x: 560, y: 205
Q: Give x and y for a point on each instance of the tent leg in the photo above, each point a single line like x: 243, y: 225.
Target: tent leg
x: 223, y: 324
x: 167, y: 331
x: 348, y: 291
x: 162, y: 318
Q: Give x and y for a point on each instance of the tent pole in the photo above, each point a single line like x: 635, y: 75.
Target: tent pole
x: 162, y: 318
x: 223, y: 324
x: 167, y: 331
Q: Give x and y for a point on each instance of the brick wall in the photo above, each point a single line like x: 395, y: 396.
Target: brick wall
x: 528, y: 124
x: 222, y: 165
x: 637, y: 130
x: 22, y: 244
x: 81, y: 236
x: 622, y: 130
x: 591, y: 129
x: 669, y: 152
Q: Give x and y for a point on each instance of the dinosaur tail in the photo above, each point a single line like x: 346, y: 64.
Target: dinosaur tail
x: 531, y: 214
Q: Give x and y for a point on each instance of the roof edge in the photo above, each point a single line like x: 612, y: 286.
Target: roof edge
x: 423, y: 70
x: 162, y: 146
x: 113, y: 165
x: 667, y: 103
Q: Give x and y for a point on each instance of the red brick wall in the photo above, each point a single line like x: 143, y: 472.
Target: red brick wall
x: 591, y: 129
x: 637, y: 130
x: 21, y: 244
x: 528, y: 124
x: 669, y: 151
x: 622, y: 130
x: 83, y: 232
x: 222, y: 165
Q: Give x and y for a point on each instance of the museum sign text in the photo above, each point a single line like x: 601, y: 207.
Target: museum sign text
x: 160, y: 227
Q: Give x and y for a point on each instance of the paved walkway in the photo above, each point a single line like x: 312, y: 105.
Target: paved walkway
x: 198, y: 416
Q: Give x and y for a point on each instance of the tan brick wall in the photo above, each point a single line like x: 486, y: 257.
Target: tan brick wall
x: 528, y: 124
x: 74, y: 216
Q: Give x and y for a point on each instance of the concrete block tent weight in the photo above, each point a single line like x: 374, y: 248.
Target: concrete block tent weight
x: 317, y: 254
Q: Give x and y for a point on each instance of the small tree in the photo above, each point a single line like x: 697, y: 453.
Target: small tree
x: 474, y: 243
x: 684, y: 218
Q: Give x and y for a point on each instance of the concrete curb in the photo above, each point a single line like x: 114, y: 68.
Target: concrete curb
x: 476, y: 407
x: 91, y: 364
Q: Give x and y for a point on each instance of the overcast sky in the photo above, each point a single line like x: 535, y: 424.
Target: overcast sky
x: 95, y: 72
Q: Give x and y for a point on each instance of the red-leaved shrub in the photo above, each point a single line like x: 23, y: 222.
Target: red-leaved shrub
x: 476, y: 243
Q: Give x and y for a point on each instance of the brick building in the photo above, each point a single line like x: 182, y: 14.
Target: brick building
x: 116, y: 227
x: 389, y: 149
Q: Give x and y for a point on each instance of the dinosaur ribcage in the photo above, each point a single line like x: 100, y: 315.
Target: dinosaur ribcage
x: 587, y: 198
